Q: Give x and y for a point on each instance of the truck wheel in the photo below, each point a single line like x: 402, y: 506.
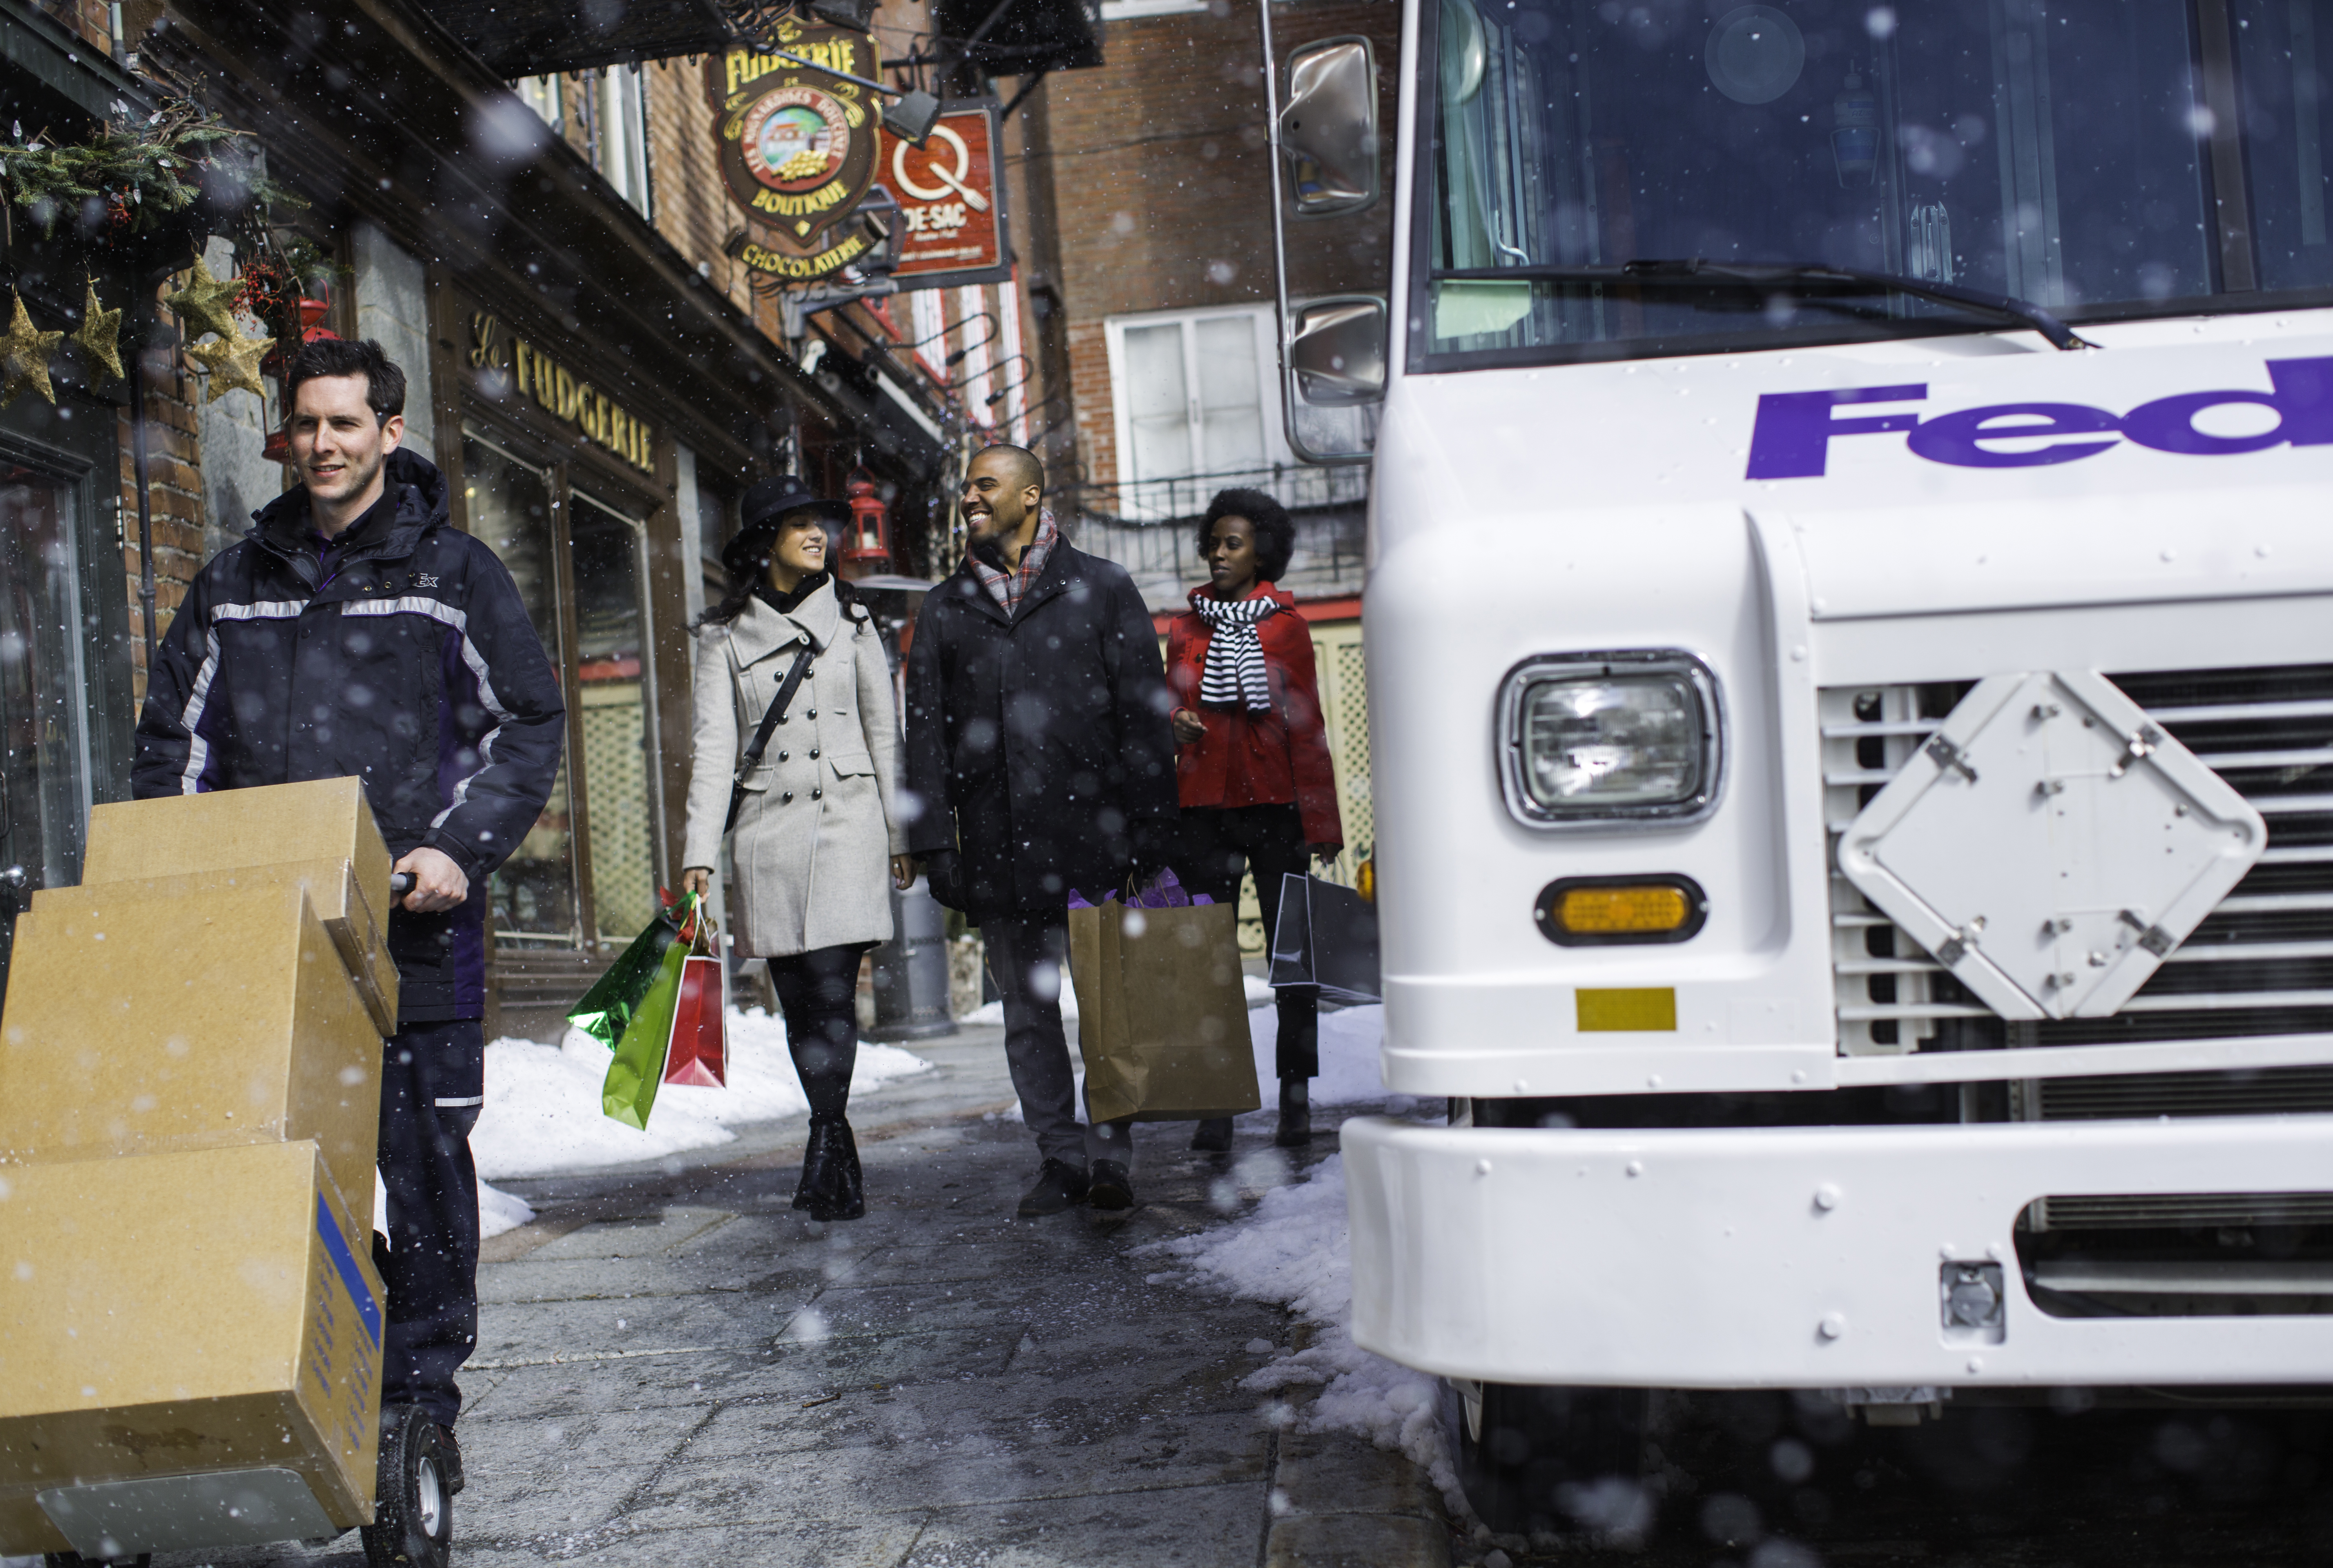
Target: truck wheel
x: 413, y: 1511
x: 1569, y: 1461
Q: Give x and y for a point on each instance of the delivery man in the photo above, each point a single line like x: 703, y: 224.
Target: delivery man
x: 354, y: 631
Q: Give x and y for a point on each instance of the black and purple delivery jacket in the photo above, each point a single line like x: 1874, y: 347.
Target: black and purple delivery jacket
x: 400, y: 654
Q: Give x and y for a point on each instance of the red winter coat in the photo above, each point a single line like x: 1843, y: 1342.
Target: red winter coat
x: 1248, y: 758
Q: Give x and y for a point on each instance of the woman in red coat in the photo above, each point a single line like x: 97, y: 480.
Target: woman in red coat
x: 1257, y: 788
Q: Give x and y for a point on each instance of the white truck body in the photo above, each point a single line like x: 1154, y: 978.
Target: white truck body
x: 1587, y: 507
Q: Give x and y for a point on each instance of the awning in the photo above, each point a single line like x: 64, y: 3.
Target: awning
x: 540, y: 37
x: 1021, y: 37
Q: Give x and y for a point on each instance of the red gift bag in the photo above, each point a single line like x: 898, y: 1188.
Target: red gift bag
x: 699, y: 1053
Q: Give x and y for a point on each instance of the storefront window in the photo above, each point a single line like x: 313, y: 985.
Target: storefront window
x: 533, y: 893
x: 618, y: 702
x: 44, y: 793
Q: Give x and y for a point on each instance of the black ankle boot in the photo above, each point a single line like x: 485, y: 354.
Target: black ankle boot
x: 847, y: 1192
x: 815, y: 1159
x: 831, y: 1185
x: 1295, y: 1113
x: 1212, y: 1135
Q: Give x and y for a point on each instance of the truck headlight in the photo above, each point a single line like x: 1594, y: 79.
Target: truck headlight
x: 1610, y: 738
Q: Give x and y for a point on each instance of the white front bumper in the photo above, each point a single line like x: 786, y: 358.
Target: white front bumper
x: 1794, y: 1257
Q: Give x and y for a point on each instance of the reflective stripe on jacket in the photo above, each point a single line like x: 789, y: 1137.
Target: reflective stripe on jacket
x: 412, y: 666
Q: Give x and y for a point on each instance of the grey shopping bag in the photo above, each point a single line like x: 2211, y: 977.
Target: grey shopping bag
x: 1328, y: 939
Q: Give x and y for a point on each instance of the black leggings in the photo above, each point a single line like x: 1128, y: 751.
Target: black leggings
x: 1214, y: 845
x: 818, y: 991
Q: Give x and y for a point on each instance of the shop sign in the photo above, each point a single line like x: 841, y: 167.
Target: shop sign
x: 797, y: 147
x: 951, y: 198
x: 506, y: 363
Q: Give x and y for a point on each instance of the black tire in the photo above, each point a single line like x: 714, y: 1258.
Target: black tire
x: 413, y: 1507
x: 75, y: 1560
x: 1547, y: 1459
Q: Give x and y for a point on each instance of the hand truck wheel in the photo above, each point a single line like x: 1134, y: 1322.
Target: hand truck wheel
x: 413, y: 1508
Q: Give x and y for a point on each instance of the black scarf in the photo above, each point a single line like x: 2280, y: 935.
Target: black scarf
x: 786, y: 604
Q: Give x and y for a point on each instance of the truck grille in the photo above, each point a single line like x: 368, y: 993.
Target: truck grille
x: 2260, y: 964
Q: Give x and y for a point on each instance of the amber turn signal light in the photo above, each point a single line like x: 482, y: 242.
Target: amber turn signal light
x: 1605, y: 911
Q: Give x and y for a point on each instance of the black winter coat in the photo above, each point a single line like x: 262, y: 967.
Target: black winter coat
x: 413, y: 667
x: 1038, y: 749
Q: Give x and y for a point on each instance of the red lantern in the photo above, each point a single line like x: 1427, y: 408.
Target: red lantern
x: 868, y: 550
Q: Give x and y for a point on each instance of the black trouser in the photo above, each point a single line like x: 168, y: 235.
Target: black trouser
x: 432, y: 1083
x: 1028, y: 953
x: 1215, y: 843
x: 818, y: 991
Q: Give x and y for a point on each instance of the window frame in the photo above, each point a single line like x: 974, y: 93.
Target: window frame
x: 1277, y: 455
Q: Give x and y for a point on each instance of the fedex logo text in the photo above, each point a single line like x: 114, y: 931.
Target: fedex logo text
x: 1792, y: 436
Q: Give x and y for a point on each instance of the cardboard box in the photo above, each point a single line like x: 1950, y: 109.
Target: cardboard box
x: 192, y: 1022
x: 358, y: 931
x: 290, y: 832
x: 205, y: 1315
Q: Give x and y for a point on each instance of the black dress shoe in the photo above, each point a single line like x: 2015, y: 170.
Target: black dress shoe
x: 1295, y: 1113
x: 1212, y: 1135
x: 1112, y: 1187
x: 451, y: 1452
x: 830, y: 1175
x: 1060, y: 1185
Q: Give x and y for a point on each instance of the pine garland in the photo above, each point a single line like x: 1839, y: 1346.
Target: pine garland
x: 143, y: 171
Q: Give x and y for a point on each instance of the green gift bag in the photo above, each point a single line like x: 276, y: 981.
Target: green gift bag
x: 607, y: 1008
x: 630, y: 1089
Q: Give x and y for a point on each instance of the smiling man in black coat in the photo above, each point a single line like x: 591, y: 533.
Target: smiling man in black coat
x: 1039, y: 748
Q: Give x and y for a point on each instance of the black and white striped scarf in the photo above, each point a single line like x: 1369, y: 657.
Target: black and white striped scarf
x: 1235, y: 676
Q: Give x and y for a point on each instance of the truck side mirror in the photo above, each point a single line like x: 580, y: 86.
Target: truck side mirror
x: 1328, y: 131
x: 1337, y: 349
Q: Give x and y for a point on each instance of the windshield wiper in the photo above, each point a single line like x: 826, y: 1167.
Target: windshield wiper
x: 1789, y: 277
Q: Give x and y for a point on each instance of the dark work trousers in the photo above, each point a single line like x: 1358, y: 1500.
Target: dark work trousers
x: 432, y: 1083
x: 1028, y: 955
x: 1214, y: 845
x: 818, y: 991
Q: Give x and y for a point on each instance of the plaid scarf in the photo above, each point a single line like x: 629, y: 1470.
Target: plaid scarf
x: 1011, y: 586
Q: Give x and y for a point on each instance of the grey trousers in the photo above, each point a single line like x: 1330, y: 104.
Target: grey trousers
x: 1028, y: 956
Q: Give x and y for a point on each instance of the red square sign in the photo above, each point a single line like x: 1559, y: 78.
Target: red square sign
x: 951, y: 197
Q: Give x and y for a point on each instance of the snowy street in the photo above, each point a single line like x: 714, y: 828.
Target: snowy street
x: 674, y: 1367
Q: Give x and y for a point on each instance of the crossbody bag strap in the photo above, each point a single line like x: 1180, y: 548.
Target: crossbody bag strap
x: 752, y: 759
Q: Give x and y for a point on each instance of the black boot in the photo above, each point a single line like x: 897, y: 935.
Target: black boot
x: 1212, y: 1135
x: 849, y: 1190
x: 814, y: 1160
x: 1295, y: 1113
x: 832, y: 1187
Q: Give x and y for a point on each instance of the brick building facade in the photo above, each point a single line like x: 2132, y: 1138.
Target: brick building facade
x: 550, y: 261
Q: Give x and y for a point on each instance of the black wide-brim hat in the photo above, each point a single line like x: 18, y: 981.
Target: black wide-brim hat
x: 766, y: 505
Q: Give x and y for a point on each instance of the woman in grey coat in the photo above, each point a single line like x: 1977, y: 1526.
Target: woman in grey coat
x: 820, y: 824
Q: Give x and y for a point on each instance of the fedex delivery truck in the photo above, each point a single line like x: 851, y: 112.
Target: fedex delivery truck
x: 1850, y: 634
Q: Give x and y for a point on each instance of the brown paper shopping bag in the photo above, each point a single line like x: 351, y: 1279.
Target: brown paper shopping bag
x: 1162, y: 1012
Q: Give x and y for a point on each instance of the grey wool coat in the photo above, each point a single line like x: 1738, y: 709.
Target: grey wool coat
x: 821, y: 818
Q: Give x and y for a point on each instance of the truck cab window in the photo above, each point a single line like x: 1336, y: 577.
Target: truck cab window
x: 2067, y: 153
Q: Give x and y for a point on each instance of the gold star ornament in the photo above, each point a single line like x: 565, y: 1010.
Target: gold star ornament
x: 99, y: 336
x: 24, y: 358
x: 205, y: 304
x: 234, y: 364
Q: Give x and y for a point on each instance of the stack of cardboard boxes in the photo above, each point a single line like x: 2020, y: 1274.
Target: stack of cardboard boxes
x: 190, y: 1321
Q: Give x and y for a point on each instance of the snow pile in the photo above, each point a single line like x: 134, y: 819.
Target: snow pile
x: 1295, y: 1249
x: 543, y: 1111
x: 1349, y: 1038
x: 499, y: 1211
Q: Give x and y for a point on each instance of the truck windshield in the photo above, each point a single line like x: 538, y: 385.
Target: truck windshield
x: 2095, y: 157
